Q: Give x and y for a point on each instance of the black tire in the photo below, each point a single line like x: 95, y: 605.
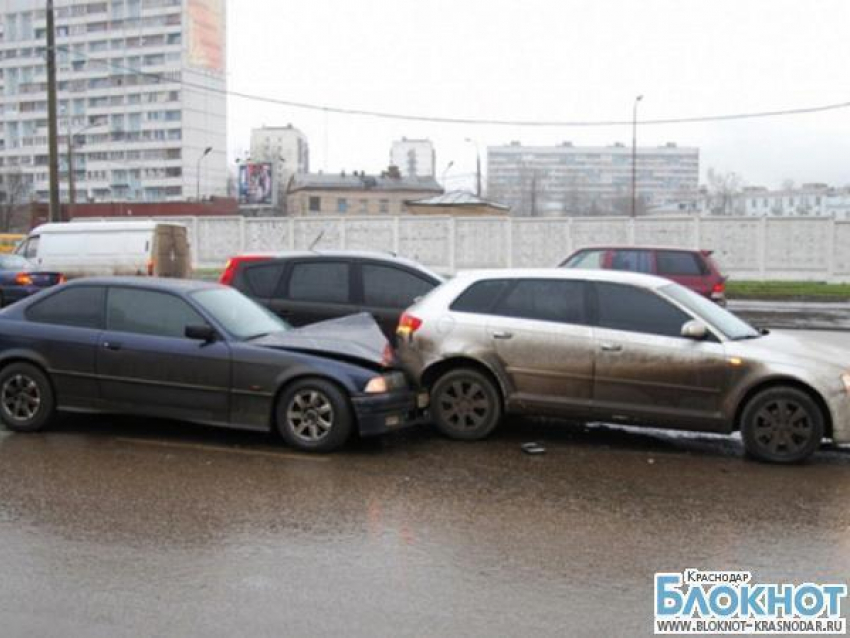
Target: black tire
x: 314, y: 415
x: 26, y: 398
x: 782, y: 425
x: 466, y: 405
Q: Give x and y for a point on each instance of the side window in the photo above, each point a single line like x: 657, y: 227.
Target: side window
x: 262, y: 280
x: 480, y: 296
x: 636, y: 310
x: 679, y: 263
x: 587, y: 259
x: 29, y: 250
x: 546, y: 300
x: 148, y: 312
x: 323, y: 281
x: 387, y: 287
x: 632, y: 260
x: 78, y: 306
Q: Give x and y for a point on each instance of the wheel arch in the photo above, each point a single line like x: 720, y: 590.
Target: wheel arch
x: 439, y: 368
x: 789, y: 382
x: 287, y: 381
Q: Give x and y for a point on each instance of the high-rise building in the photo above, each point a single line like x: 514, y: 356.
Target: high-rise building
x: 141, y: 90
x: 581, y: 180
x: 414, y: 158
x: 285, y: 147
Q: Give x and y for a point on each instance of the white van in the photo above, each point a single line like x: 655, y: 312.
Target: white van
x: 91, y: 249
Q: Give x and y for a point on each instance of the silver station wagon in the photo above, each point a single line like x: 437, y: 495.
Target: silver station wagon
x: 624, y: 348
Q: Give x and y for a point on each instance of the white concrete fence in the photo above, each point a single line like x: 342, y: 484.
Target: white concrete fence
x: 746, y: 248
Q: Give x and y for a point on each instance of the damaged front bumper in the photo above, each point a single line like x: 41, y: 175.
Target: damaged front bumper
x: 389, y: 412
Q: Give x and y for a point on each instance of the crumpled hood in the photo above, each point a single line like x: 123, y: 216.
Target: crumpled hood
x: 356, y: 337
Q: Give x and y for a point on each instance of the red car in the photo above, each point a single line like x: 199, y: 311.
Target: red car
x: 694, y: 269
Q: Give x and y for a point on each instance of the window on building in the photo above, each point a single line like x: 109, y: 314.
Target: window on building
x: 342, y: 205
x: 315, y: 204
x: 384, y: 206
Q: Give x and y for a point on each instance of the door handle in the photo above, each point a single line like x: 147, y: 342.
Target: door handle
x: 111, y: 345
x: 501, y: 334
x: 611, y: 347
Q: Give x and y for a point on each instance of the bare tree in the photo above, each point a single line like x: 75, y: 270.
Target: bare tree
x: 722, y: 190
x: 14, y: 193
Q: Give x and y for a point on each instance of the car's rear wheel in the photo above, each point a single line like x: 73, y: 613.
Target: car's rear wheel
x: 314, y: 415
x: 466, y: 405
x: 26, y: 398
x: 782, y: 425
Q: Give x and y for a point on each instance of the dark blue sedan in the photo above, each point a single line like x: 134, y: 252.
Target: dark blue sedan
x: 19, y: 279
x: 198, y: 352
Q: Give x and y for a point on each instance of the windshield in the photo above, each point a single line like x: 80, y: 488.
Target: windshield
x: 711, y: 313
x: 240, y: 316
x: 14, y: 262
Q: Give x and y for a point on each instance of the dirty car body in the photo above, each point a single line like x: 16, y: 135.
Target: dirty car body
x: 620, y: 347
x: 198, y: 352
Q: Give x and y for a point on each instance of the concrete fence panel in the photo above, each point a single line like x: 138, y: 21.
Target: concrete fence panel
x: 666, y: 232
x: 599, y: 232
x: 323, y: 234
x: 736, y: 243
x: 267, y: 234
x: 798, y: 246
x: 217, y: 238
x: 481, y: 243
x: 428, y: 240
x: 370, y: 234
x: 539, y: 243
x: 841, y: 250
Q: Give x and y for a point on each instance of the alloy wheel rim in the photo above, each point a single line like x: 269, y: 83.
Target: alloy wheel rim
x: 465, y: 405
x: 310, y: 415
x: 783, y: 427
x: 20, y: 398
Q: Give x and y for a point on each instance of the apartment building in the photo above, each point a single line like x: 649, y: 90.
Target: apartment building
x: 284, y: 147
x: 414, y: 158
x: 582, y: 180
x: 141, y: 92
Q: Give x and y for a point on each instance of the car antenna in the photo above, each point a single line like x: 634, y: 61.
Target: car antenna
x: 316, y: 241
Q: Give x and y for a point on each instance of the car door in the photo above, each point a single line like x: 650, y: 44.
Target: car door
x: 314, y: 290
x: 645, y: 370
x: 75, y: 315
x: 147, y: 365
x: 385, y: 291
x: 539, y: 329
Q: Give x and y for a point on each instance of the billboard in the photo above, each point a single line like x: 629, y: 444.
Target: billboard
x: 206, y: 49
x: 256, y: 184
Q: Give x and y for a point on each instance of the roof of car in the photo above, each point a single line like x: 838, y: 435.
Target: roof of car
x: 612, y: 276
x: 157, y: 283
x: 678, y: 249
x: 348, y: 254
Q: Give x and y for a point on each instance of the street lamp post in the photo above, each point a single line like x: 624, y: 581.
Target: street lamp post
x: 445, y: 171
x: 206, y: 152
x: 477, y: 166
x: 634, y: 155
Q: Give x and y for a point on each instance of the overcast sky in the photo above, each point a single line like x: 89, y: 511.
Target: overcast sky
x: 550, y: 60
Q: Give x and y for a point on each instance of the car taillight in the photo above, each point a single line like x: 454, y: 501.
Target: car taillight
x: 719, y: 288
x: 408, y: 324
x: 151, y: 267
x: 23, y: 279
x: 227, y: 275
x: 61, y: 279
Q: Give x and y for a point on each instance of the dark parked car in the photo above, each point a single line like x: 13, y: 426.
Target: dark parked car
x: 19, y: 279
x: 694, y: 269
x: 305, y: 287
x: 197, y: 352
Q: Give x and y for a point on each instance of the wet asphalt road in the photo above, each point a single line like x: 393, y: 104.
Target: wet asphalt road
x: 122, y: 527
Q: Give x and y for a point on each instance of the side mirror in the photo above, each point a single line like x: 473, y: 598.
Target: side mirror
x: 695, y: 330
x: 207, y: 334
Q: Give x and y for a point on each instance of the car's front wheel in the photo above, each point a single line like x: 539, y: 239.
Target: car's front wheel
x: 26, y: 398
x: 466, y: 405
x: 314, y: 415
x: 782, y: 425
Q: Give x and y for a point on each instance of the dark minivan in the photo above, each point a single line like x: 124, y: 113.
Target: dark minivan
x: 307, y: 287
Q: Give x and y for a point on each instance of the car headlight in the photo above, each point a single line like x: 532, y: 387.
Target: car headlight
x: 385, y: 383
x: 846, y: 379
